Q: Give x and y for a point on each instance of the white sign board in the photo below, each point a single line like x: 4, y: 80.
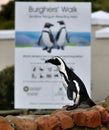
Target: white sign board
x: 38, y: 85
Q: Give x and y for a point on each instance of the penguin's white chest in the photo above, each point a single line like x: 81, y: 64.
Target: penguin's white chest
x: 64, y: 82
x: 46, y: 39
x: 61, y: 39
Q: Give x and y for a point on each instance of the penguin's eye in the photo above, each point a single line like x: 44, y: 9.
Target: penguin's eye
x: 57, y: 62
x: 55, y: 59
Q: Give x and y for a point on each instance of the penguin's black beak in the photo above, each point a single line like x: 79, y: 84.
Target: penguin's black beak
x: 53, y: 61
x: 46, y: 61
x: 49, y: 61
x: 61, y: 22
x: 51, y: 25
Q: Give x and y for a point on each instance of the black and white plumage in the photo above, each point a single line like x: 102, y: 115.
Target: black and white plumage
x: 61, y: 36
x: 74, y: 86
x: 47, y: 37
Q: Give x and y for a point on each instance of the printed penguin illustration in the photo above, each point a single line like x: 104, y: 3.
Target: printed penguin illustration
x: 62, y: 36
x: 47, y: 37
x: 74, y: 86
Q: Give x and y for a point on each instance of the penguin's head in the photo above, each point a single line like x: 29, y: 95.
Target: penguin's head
x: 48, y: 25
x: 59, y: 62
x: 55, y: 61
x: 61, y: 22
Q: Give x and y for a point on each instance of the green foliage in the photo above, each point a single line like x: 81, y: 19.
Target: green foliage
x: 7, y: 25
x: 7, y: 16
x: 73, y: 0
x: 7, y: 88
x: 31, y: 0
x: 100, y: 5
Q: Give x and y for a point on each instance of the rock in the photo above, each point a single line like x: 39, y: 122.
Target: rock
x: 54, y: 123
x: 4, y: 124
x: 43, y: 123
x: 103, y: 128
x: 93, y: 119
x: 66, y: 121
x: 59, y: 111
x: 86, y: 118
x: 22, y: 124
x: 104, y: 113
x: 48, y: 123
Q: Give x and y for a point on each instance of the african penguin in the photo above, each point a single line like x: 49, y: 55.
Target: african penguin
x: 47, y: 37
x: 74, y: 86
x: 61, y: 36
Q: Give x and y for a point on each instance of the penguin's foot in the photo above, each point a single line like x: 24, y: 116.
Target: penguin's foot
x: 66, y: 106
x: 58, y: 47
x: 72, y: 107
x: 45, y: 48
x: 49, y: 51
x: 62, y: 47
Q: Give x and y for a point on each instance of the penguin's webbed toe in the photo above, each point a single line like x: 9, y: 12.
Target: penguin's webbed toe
x: 71, y: 107
x: 58, y: 47
x: 62, y: 47
x: 45, y: 48
x: 49, y: 51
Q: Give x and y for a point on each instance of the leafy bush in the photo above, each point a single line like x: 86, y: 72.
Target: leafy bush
x: 7, y: 25
x: 7, y: 88
x: 7, y: 16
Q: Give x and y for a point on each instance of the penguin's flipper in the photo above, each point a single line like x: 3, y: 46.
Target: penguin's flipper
x: 69, y: 93
x: 72, y: 86
x: 39, y: 40
x: 67, y: 38
x: 52, y: 38
x: 71, y: 90
x: 57, y: 35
